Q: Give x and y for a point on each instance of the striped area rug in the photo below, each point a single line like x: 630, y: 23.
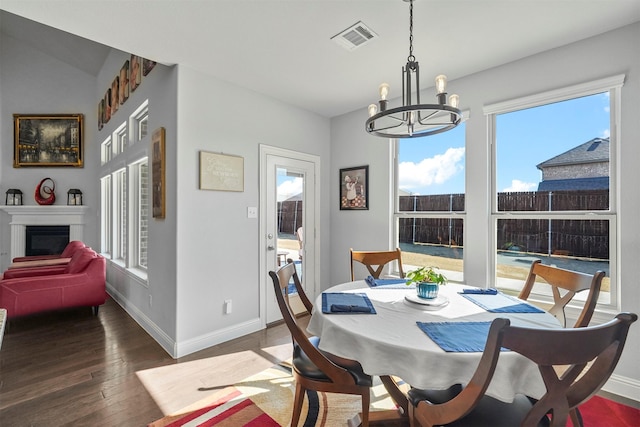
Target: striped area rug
x: 266, y: 399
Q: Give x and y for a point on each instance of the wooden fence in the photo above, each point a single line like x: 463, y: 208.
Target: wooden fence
x: 580, y: 238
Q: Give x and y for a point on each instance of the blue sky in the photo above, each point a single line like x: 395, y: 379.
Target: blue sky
x: 435, y: 164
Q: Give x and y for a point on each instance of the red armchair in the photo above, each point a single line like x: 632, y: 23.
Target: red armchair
x: 34, y: 290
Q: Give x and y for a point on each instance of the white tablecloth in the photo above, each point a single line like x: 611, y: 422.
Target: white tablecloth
x: 390, y: 342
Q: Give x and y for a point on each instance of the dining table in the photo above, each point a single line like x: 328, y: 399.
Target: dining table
x: 391, y: 340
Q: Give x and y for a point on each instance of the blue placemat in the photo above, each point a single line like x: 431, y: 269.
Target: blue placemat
x: 501, y: 303
x: 460, y: 337
x: 386, y: 283
x: 346, y: 303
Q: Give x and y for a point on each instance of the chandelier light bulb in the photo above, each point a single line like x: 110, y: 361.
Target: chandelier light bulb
x: 441, y: 83
x: 373, y: 109
x: 454, y: 100
x: 384, y: 91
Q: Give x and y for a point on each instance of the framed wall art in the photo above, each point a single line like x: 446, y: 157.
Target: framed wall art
x: 221, y: 172
x: 48, y: 140
x: 354, y: 188
x: 157, y: 173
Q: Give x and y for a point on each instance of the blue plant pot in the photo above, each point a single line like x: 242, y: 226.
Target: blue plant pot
x: 427, y: 290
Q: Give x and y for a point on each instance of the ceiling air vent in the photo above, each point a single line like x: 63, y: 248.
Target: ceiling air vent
x: 354, y: 36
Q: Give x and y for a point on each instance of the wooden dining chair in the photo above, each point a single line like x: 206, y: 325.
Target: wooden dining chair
x: 375, y: 261
x: 570, y: 282
x: 314, y: 369
x: 591, y: 354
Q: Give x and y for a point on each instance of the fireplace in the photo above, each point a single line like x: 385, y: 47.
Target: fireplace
x: 46, y: 239
x: 21, y: 217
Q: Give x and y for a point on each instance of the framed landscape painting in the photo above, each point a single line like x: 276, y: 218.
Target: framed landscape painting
x: 354, y: 188
x: 48, y: 140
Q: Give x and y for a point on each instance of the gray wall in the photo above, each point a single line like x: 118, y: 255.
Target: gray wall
x: 34, y: 83
x: 610, y: 54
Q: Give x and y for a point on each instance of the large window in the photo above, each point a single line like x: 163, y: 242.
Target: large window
x: 554, y: 183
x: 430, y: 176
x: 125, y: 194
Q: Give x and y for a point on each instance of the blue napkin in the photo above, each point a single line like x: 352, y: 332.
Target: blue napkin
x: 346, y: 303
x: 501, y: 303
x: 372, y: 282
x: 490, y: 291
x: 460, y: 337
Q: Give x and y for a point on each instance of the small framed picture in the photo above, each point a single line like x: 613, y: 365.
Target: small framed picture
x: 124, y: 82
x: 354, y: 188
x: 158, y: 173
x: 147, y: 66
x: 135, y: 72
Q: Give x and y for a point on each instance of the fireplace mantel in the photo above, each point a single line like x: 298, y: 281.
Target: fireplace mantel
x: 22, y: 216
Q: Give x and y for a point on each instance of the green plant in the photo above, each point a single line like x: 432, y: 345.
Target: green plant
x: 426, y: 274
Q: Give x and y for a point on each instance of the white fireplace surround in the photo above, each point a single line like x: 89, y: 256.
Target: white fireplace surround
x: 22, y: 216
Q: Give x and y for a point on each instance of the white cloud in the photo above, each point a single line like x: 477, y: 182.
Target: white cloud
x: 606, y: 133
x: 289, y: 188
x: 517, y: 185
x: 435, y: 170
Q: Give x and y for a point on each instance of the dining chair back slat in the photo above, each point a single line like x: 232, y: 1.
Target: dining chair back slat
x: 376, y: 261
x: 570, y: 282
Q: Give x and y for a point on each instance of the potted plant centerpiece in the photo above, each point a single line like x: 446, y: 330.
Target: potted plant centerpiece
x: 427, y: 281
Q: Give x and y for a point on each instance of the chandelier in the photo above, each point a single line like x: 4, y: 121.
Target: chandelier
x: 413, y: 119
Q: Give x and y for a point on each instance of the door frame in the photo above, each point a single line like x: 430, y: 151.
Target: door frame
x: 311, y: 286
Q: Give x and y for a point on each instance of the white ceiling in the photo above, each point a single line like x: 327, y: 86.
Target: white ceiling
x: 282, y: 48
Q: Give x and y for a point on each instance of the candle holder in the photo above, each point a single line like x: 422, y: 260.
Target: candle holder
x: 74, y: 197
x: 13, y: 197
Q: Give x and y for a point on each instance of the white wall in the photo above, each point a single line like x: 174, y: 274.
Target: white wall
x: 603, y: 56
x: 217, y: 245
x: 32, y: 82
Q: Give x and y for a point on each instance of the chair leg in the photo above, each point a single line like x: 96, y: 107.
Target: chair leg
x: 298, y: 400
x: 576, y: 417
x: 366, y: 402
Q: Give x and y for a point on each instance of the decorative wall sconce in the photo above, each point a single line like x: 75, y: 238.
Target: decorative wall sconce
x: 74, y: 197
x: 13, y: 198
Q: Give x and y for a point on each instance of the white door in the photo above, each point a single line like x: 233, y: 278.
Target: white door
x: 288, y: 215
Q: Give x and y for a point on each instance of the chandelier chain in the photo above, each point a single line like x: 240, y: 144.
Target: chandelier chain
x: 411, y: 58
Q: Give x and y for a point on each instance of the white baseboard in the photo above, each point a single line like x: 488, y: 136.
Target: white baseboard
x: 623, y: 386
x: 180, y: 349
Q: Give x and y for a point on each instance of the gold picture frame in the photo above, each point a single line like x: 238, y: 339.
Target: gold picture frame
x: 48, y: 140
x: 222, y: 172
x: 158, y: 202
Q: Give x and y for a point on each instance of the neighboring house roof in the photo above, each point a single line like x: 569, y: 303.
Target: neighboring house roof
x: 295, y: 198
x: 596, y: 183
x: 596, y: 150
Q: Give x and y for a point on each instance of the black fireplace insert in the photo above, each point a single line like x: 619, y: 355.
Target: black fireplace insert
x: 46, y: 239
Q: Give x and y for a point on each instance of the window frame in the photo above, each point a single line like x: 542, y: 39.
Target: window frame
x: 612, y: 85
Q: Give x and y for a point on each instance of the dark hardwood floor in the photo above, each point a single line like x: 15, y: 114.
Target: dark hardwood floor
x: 71, y: 368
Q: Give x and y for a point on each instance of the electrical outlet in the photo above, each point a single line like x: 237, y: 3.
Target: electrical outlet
x: 252, y: 212
x: 227, y: 306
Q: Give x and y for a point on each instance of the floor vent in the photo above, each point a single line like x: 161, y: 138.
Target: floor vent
x: 355, y: 36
